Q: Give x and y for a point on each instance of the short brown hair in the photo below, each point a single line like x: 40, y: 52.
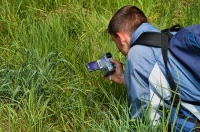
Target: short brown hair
x: 126, y: 19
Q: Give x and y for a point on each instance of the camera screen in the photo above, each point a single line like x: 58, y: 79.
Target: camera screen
x: 92, y: 66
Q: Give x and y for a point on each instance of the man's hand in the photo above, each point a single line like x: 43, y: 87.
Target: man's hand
x: 118, y: 75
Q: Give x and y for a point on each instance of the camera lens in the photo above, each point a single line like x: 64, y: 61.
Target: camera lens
x: 108, y: 55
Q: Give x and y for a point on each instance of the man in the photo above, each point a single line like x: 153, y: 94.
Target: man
x: 145, y: 75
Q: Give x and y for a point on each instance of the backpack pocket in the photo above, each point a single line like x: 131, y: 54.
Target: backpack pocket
x: 185, y: 47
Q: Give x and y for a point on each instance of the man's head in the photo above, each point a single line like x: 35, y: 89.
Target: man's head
x: 123, y: 24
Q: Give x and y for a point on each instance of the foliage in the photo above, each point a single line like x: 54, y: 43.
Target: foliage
x: 44, y: 46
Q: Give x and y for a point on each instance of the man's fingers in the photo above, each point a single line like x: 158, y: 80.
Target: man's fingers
x: 117, y: 63
x: 114, y: 61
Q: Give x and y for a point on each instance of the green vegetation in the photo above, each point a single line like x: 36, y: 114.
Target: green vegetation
x: 44, y: 46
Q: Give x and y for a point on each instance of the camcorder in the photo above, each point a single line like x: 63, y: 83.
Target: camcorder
x: 107, y: 68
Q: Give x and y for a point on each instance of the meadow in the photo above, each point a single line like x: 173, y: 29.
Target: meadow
x: 44, y: 46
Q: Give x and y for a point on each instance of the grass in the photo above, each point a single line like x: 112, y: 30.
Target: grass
x: 44, y: 84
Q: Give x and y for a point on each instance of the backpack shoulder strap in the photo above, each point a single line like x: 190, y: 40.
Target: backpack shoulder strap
x: 149, y: 39
x: 154, y: 38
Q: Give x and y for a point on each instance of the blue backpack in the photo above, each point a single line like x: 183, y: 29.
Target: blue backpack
x: 185, y: 46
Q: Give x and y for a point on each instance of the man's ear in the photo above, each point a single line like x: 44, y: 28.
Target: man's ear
x: 121, y: 37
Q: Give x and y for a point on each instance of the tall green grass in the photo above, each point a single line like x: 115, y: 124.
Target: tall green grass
x: 44, y: 46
